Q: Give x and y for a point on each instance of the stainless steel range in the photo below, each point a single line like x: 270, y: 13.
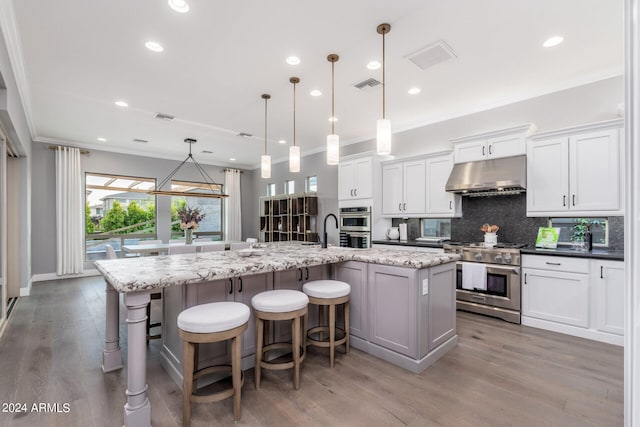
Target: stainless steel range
x: 488, y: 279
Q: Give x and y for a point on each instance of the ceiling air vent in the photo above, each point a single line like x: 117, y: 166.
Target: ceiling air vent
x: 141, y: 141
x: 432, y: 55
x: 367, y: 84
x: 207, y: 151
x: 163, y: 116
x: 245, y: 135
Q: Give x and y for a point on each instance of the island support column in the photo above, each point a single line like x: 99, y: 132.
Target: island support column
x: 137, y: 410
x: 112, y: 356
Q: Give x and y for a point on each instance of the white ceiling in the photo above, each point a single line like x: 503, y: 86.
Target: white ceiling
x: 80, y: 56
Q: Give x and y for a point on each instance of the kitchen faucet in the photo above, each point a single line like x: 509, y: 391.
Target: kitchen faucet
x: 324, y: 242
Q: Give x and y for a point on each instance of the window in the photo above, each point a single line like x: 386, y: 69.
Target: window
x: 118, y: 211
x: 271, y: 189
x: 574, y: 228
x: 211, y: 224
x: 289, y: 187
x: 436, y: 228
x: 311, y: 184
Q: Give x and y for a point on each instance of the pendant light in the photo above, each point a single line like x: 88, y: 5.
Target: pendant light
x: 265, y: 160
x: 294, y: 151
x: 333, y: 140
x: 384, y: 124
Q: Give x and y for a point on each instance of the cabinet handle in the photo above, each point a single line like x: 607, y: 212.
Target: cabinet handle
x: 573, y: 199
x: 564, y: 200
x: 602, y: 272
x: 355, y: 192
x: 450, y: 204
x: 525, y: 278
x: 404, y: 206
x: 351, y: 192
x: 240, y: 289
x: 399, y: 206
x: 489, y: 149
x: 300, y: 278
x: 553, y: 263
x: 483, y: 150
x: 306, y: 269
x: 230, y: 286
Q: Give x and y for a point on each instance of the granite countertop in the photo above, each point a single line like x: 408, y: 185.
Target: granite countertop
x: 407, y: 243
x: 144, y: 273
x: 597, y: 253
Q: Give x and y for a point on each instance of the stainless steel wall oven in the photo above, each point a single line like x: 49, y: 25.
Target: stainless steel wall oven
x: 355, y: 227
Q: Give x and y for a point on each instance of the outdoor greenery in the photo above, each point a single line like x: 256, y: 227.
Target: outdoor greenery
x: 89, y: 225
x: 123, y: 221
x: 583, y: 225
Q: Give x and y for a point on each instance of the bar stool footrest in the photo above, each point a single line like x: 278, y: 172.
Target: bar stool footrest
x: 219, y: 395
x: 326, y: 343
x: 277, y: 366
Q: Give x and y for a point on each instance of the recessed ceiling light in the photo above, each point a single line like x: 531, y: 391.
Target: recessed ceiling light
x: 154, y: 46
x: 293, y: 60
x: 315, y: 92
x: 333, y: 119
x: 414, y: 90
x: 233, y: 159
x: 102, y: 139
x: 373, y: 65
x: 282, y: 141
x: 121, y: 104
x: 179, y: 6
x: 553, y: 41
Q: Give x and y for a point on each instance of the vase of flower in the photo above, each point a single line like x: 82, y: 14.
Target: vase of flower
x: 189, y: 221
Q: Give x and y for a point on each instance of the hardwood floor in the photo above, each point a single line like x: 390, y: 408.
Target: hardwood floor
x: 500, y: 374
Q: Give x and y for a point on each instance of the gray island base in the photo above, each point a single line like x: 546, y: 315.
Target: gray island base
x: 402, y: 304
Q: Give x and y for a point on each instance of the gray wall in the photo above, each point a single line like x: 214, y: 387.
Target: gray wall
x: 579, y: 105
x: 314, y: 164
x: 44, y: 246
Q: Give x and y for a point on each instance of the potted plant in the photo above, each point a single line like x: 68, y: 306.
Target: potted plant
x: 189, y: 220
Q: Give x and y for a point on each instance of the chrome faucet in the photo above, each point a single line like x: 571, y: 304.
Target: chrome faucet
x: 324, y: 242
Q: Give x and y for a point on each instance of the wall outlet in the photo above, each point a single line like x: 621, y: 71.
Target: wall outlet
x: 425, y: 287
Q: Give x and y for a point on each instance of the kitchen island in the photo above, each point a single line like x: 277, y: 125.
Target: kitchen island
x: 396, y: 312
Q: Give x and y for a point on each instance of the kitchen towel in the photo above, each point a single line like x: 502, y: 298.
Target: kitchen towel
x: 474, y: 276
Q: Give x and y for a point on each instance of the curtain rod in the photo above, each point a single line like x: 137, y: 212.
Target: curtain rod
x: 57, y: 147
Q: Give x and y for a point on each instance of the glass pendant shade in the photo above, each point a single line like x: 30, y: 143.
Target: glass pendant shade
x: 333, y: 149
x: 294, y: 158
x: 265, y: 162
x: 384, y: 137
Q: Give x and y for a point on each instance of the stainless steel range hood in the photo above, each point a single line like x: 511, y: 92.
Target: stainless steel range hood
x: 494, y: 177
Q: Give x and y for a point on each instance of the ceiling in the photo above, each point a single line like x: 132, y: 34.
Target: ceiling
x: 80, y: 56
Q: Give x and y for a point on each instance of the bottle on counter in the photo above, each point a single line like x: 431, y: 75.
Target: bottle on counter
x: 588, y: 239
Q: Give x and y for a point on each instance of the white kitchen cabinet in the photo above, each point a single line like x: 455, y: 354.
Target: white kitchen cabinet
x: 492, y: 145
x: 403, y: 188
x: 440, y: 203
x: 556, y: 296
x: 355, y: 178
x: 578, y: 171
x: 607, y: 281
x: 576, y: 296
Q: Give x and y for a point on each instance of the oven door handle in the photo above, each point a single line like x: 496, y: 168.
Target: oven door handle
x: 498, y: 270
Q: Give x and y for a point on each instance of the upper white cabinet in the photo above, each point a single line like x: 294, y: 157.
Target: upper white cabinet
x: 441, y: 203
x: 355, y: 178
x: 577, y: 171
x: 415, y: 187
x: 403, y: 188
x: 492, y: 145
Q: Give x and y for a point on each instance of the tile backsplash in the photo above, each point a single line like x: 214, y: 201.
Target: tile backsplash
x: 510, y: 213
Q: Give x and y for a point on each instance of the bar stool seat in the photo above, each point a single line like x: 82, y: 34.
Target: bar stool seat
x: 329, y: 293
x: 210, y: 323
x: 280, y: 304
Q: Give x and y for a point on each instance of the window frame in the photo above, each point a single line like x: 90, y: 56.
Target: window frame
x: 175, y: 235
x: 570, y: 243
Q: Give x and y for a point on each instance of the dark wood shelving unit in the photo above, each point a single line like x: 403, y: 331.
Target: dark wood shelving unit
x: 289, y: 217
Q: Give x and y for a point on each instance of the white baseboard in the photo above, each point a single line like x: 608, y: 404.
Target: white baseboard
x: 576, y: 331
x: 53, y: 276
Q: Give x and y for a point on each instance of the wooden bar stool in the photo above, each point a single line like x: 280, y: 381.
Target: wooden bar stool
x: 209, y: 323
x: 329, y: 293
x: 281, y: 304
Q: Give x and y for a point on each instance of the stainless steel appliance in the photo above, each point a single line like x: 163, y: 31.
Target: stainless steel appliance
x: 355, y: 227
x: 502, y: 297
x: 494, y: 177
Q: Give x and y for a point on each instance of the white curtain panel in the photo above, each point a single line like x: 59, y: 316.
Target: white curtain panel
x: 233, y: 218
x: 69, y: 212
